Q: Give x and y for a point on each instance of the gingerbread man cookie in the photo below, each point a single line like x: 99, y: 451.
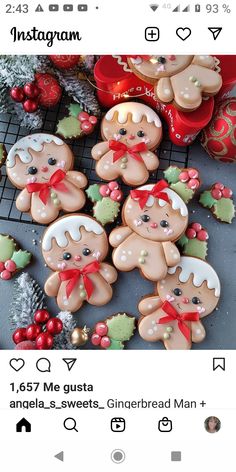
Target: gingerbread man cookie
x: 190, y: 291
x: 41, y: 165
x: 74, y: 247
x: 154, y: 217
x: 183, y: 80
x: 131, y: 131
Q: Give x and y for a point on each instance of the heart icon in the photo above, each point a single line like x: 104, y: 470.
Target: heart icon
x: 17, y: 364
x: 183, y: 33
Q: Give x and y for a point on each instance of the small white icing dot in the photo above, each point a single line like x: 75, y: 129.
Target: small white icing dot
x: 123, y: 258
x: 21, y: 198
x: 129, y: 206
x: 161, y: 286
x: 172, y: 250
x: 167, y: 91
x: 106, y: 167
x: 118, y: 237
x: 153, y: 322
x: 155, y: 328
x: 99, y: 153
x: 163, y: 282
x: 149, y: 306
x: 44, y: 215
x: 186, y: 88
x: 150, y: 332
x: 65, y: 303
x: 49, y: 259
x: 129, y: 252
x: 175, y: 256
x: 186, y: 95
x: 39, y: 211
x: 18, y: 178
x: 124, y: 252
x: 198, y: 331
x: 78, y: 177
x: 14, y: 174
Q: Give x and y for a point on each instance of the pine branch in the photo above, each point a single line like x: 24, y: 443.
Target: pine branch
x: 17, y: 70
x: 27, y: 298
x: 28, y: 120
x: 62, y: 340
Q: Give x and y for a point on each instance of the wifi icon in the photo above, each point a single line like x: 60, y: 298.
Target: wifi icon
x: 154, y: 6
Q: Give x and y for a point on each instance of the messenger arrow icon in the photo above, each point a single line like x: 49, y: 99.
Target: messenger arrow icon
x: 70, y: 362
x: 215, y: 32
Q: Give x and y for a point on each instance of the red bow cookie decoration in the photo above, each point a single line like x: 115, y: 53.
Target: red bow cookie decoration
x: 121, y: 148
x: 55, y: 182
x: 142, y: 195
x: 181, y: 318
x: 73, y: 276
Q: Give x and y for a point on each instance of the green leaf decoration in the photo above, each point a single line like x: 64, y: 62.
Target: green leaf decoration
x: 224, y: 210
x: 93, y: 193
x: 106, y: 210
x: 121, y: 327
x: 195, y: 248
x: 183, y: 241
x: 7, y: 247
x: 115, y: 345
x: 207, y: 200
x: 183, y: 191
x: 69, y: 127
x: 74, y: 109
x: 21, y: 258
x: 172, y: 174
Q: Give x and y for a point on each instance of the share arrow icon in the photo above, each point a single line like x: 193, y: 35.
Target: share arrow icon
x: 215, y: 32
x: 70, y: 362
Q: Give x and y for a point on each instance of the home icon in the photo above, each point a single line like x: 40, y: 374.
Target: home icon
x: 23, y: 426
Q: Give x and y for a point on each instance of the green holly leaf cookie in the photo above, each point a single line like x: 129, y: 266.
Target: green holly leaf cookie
x: 21, y: 258
x: 224, y: 210
x: 93, y: 193
x: 183, y: 191
x: 7, y: 247
x: 207, y: 200
x: 74, y: 109
x: 115, y: 345
x: 195, y: 248
x: 172, y: 174
x: 106, y: 210
x: 183, y: 240
x: 69, y: 127
x: 120, y: 327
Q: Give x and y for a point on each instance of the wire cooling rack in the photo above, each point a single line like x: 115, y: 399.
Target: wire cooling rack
x: 11, y: 131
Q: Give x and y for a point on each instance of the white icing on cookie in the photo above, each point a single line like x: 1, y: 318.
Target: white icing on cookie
x: 201, y: 270
x: 33, y: 141
x: 122, y: 63
x: 69, y: 224
x: 176, y: 201
x: 137, y: 111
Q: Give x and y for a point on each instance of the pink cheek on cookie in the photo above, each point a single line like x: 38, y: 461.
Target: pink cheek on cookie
x: 78, y: 258
x: 161, y: 68
x: 32, y: 180
x: 168, y: 231
x: 201, y: 309
x: 96, y: 254
x: 62, y: 265
x: 170, y: 298
x: 138, y: 222
x: 146, y: 140
x: 154, y: 225
x: 117, y: 137
x: 61, y: 164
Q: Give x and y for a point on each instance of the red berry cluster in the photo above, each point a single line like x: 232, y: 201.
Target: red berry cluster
x: 7, y: 269
x: 40, y: 333
x: 219, y: 190
x: 111, y: 190
x: 191, y: 178
x: 87, y: 122
x: 99, y: 337
x: 195, y: 230
x: 27, y: 95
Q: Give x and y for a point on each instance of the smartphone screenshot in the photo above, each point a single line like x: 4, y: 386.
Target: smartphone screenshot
x: 117, y: 235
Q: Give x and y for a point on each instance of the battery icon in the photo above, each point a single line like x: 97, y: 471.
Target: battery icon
x: 197, y: 8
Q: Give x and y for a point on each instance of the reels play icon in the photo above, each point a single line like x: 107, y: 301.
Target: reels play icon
x: 118, y: 425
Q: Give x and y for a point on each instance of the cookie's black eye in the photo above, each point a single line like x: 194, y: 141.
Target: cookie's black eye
x: 177, y: 292
x: 164, y: 223
x: 52, y: 161
x: 196, y: 300
x: 67, y: 256
x: 86, y: 251
x: 122, y: 131
x: 32, y: 170
x: 145, y: 218
x: 161, y: 60
x: 140, y: 134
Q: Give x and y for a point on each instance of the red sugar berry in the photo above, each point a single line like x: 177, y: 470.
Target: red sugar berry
x: 31, y: 90
x: 44, y: 341
x: 25, y: 346
x: 30, y: 105
x: 93, y: 120
x: 83, y: 116
x: 193, y: 184
x: 216, y: 193
x: 41, y: 316
x: 105, y: 342
x: 219, y: 186
x: 193, y: 173
x: 116, y: 195
x: 96, y: 339
x: 10, y: 266
x: 2, y: 266
x: 196, y: 226
x: 113, y: 185
x: 19, y: 335
x: 17, y: 94
x: 86, y: 126
x: 101, y: 329
x: 227, y: 192
x: 32, y: 331
x: 6, y: 275
x: 191, y: 233
x: 104, y: 190
x: 184, y: 176
x: 54, y: 326
x: 202, y: 235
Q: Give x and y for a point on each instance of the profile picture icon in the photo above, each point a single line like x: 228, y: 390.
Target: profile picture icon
x: 212, y: 424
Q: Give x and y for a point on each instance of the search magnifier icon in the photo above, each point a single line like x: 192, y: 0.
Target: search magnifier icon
x: 70, y: 424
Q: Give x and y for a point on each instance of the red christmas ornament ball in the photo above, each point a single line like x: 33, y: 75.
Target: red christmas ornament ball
x: 41, y: 316
x: 19, y: 335
x: 31, y: 90
x: 219, y: 137
x: 32, y: 331
x: 17, y: 94
x: 30, y: 105
x: 65, y: 61
x: 25, y: 346
x: 54, y: 326
x: 49, y: 90
x: 44, y: 341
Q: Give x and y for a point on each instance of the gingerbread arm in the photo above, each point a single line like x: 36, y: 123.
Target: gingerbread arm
x: 149, y: 304
x: 164, y: 90
x: 77, y: 178
x: 119, y: 235
x: 150, y: 159
x: 108, y: 272
x: 198, y: 331
x: 204, y: 61
x: 99, y: 150
x: 52, y: 285
x: 23, y: 201
x: 172, y: 254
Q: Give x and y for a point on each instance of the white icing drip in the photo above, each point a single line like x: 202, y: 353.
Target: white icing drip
x: 69, y: 224
x: 33, y: 141
x: 137, y: 110
x: 122, y: 63
x: 201, y: 270
x: 176, y: 201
